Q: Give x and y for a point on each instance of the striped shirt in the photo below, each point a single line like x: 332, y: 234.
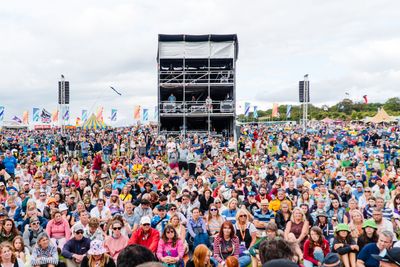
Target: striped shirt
x: 259, y: 216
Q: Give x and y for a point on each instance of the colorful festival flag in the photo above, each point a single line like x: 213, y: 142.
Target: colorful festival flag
x: 77, y: 121
x: 288, y: 111
x: 16, y: 119
x: 45, y: 116
x: 255, y: 113
x: 54, y: 116
x: 1, y: 113
x: 84, y: 115
x: 66, y: 114
x: 365, y: 99
x: 246, y: 109
x: 99, y: 114
x: 145, y: 114
x: 113, y: 115
x: 275, y: 112
x: 25, y: 117
x: 136, y: 112
x: 35, y: 114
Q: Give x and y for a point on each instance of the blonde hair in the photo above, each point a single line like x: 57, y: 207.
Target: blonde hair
x: 299, y: 210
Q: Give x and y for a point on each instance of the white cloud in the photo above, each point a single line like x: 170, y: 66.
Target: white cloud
x: 344, y: 46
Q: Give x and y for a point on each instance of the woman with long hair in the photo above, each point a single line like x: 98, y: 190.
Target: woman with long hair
x: 8, y: 231
x: 356, y: 222
x: 214, y: 220
x: 305, y: 199
x: 201, y: 257
x: 297, y: 228
x: 345, y: 245
x: 226, y: 243
x: 97, y: 256
x: 20, y: 250
x: 170, y: 249
x: 180, y: 229
x: 7, y: 256
x: 247, y: 233
x: 369, y: 233
x: 316, y: 248
x: 336, y: 211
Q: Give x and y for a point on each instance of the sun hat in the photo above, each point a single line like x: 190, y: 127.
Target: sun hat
x: 63, y: 207
x: 342, y: 227
x: 392, y: 256
x: 96, y: 248
x: 369, y: 223
x: 321, y: 213
x: 51, y: 200
x: 115, y: 193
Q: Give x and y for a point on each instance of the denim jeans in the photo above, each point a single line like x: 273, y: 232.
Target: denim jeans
x: 318, y: 255
x: 244, y: 260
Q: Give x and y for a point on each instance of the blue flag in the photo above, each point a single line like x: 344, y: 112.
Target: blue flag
x: 246, y: 109
x: 288, y: 111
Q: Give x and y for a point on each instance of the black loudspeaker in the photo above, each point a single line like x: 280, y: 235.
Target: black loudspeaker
x: 302, y: 97
x: 66, y: 97
x: 66, y: 93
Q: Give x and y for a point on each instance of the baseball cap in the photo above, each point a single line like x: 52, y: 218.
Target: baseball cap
x: 78, y: 227
x: 392, y: 256
x: 145, y: 220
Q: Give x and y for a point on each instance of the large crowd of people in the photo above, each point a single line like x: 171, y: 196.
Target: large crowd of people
x: 278, y: 196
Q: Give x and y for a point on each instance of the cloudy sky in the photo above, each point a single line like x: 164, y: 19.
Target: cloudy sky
x: 345, y: 46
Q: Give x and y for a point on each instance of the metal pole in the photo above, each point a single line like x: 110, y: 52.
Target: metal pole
x: 306, y: 101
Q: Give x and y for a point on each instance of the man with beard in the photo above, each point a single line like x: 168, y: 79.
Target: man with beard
x: 382, y: 223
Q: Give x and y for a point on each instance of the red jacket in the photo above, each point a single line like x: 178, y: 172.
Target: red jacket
x: 97, y: 162
x: 309, y: 255
x: 151, y: 242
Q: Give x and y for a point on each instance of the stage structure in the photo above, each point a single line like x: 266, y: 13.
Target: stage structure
x: 197, y: 83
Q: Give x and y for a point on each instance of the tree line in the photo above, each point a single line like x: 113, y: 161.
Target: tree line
x: 343, y: 110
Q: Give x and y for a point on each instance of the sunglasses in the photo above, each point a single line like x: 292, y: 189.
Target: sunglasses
x: 35, y: 223
x: 117, y: 228
x: 170, y: 232
x: 146, y: 224
x: 172, y: 209
x: 243, y: 215
x: 213, y: 209
x: 79, y: 232
x: 42, y: 195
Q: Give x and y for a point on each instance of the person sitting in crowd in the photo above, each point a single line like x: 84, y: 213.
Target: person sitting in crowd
x: 97, y: 256
x: 44, y: 253
x: 75, y: 249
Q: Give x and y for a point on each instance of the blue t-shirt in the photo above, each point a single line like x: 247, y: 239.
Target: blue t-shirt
x: 365, y: 255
